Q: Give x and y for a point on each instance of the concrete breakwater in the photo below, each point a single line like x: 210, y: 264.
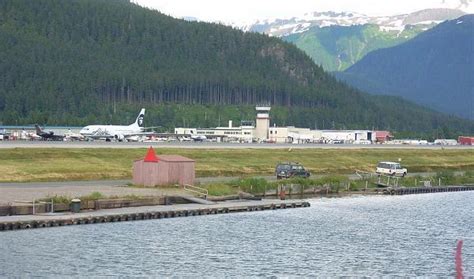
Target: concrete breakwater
x: 19, y: 222
x: 426, y: 190
x: 44, y: 207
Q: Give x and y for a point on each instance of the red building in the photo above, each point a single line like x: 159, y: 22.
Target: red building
x: 163, y: 170
x: 383, y: 136
x: 466, y: 140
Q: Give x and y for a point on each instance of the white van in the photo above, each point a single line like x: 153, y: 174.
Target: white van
x: 390, y: 168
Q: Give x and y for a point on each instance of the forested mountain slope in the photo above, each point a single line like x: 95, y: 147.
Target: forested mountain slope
x: 434, y: 69
x: 338, y: 40
x: 336, y: 48
x: 83, y: 61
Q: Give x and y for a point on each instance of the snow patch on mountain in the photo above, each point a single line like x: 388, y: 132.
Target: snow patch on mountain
x: 396, y: 23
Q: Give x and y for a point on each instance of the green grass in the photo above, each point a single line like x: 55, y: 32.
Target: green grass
x: 221, y: 189
x: 67, y: 199
x: 91, y: 197
x: 59, y: 164
x: 132, y: 197
x: 336, y: 183
x: 57, y: 199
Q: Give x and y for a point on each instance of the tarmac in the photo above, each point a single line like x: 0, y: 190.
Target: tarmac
x: 18, y: 193
x: 213, y: 145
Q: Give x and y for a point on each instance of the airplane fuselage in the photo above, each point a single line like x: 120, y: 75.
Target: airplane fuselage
x: 116, y: 131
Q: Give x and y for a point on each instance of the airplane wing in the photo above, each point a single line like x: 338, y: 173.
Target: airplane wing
x: 151, y: 128
x: 58, y: 137
x: 106, y: 135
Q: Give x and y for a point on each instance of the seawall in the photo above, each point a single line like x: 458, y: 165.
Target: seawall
x: 19, y: 222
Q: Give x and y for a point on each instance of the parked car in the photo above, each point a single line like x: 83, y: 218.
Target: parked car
x: 290, y: 169
x: 391, y: 168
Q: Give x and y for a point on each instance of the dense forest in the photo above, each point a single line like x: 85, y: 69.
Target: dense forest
x: 80, y: 62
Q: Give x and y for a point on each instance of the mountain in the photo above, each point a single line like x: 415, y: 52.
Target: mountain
x: 435, y: 69
x: 80, y: 62
x: 336, y: 48
x: 294, y: 25
x: 338, y: 40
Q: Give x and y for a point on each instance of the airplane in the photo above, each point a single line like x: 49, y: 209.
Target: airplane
x: 47, y: 135
x: 135, y: 138
x: 29, y: 136
x: 116, y: 132
x: 70, y: 136
x: 4, y: 134
x: 197, y: 137
x: 184, y: 139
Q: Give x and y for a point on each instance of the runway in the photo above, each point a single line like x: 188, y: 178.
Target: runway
x: 214, y: 145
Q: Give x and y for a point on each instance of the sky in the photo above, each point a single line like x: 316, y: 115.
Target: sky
x: 242, y: 11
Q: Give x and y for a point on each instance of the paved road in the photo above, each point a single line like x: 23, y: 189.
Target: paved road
x: 26, y: 192
x: 126, y: 182
x: 109, y: 183
x: 16, y: 192
x: 36, y: 185
x: 212, y: 145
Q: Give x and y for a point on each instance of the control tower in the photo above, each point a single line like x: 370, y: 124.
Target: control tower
x: 262, y: 122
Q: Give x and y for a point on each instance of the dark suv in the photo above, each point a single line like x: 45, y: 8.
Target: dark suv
x: 290, y: 169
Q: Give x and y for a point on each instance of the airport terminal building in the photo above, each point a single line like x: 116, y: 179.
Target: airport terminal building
x: 261, y: 131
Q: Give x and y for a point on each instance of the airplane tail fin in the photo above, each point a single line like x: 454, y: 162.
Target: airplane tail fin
x: 139, y: 121
x: 38, y: 129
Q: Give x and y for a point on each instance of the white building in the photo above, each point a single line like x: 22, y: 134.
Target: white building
x: 243, y: 133
x: 445, y: 142
x: 263, y: 132
x: 262, y: 123
x: 348, y: 136
x: 292, y: 134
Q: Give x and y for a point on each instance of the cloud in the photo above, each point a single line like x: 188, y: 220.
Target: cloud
x: 461, y: 3
x: 464, y: 3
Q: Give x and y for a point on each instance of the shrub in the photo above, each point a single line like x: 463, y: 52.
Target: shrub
x: 57, y: 199
x: 221, y: 189
x: 447, y: 177
x: 252, y: 185
x: 93, y: 196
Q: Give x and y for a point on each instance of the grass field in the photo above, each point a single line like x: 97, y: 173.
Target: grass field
x: 49, y: 164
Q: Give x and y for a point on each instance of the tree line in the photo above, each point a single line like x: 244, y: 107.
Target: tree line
x: 79, y: 62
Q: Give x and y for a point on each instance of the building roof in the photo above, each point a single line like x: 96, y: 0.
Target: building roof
x: 169, y: 158
x: 383, y: 134
x: 174, y: 158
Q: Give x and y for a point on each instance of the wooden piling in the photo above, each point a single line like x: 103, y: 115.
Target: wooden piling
x: 426, y: 190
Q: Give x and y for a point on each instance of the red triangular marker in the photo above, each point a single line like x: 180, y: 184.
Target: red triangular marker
x: 151, y: 156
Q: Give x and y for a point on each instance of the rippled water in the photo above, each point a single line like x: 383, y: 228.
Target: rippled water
x: 358, y: 236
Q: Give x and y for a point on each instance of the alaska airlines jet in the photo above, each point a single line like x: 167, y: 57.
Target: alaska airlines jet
x: 117, y: 132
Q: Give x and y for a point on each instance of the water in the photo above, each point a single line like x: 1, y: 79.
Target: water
x: 359, y: 236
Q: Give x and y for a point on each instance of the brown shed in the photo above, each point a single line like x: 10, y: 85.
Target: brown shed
x: 163, y: 170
